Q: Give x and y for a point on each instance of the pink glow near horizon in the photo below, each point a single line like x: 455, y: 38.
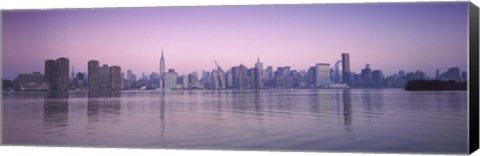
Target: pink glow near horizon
x: 390, y: 37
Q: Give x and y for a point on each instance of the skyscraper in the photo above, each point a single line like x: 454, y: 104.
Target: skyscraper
x: 162, y: 71
x: 259, y: 75
x: 322, y: 74
x: 346, y: 73
x: 62, y: 65
x: 115, y: 78
x: 50, y: 73
x: 337, y: 75
x: 93, y: 79
x: 104, y: 77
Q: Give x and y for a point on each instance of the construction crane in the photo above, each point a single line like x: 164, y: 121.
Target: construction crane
x: 219, y: 69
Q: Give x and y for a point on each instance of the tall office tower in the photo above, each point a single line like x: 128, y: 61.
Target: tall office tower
x: 104, y: 77
x: 377, y: 78
x: 50, y: 73
x: 221, y: 79
x: 72, y: 74
x: 214, y: 83
x: 184, y: 82
x: 259, y: 65
x: 229, y: 79
x: 437, y: 74
x: 235, y: 71
x: 269, y: 72
x: 162, y: 71
x: 62, y: 66
x: 192, y: 78
x: 257, y: 78
x: 310, y: 76
x: 80, y: 79
x: 337, y: 74
x: 346, y: 73
x: 115, y: 78
x: 279, y: 78
x: 93, y: 78
x: 322, y: 74
x: 242, y: 76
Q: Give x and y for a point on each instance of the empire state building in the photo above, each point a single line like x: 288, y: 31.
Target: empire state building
x: 162, y: 70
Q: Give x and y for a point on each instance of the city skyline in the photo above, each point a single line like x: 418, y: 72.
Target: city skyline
x: 418, y: 36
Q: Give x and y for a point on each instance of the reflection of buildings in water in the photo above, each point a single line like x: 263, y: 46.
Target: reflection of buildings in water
x: 217, y: 102
x: 55, y: 112
x: 314, y: 100
x: 103, y: 104
x: 103, y: 94
x: 257, y: 102
x: 367, y: 102
x: 163, y: 125
x: 347, y: 109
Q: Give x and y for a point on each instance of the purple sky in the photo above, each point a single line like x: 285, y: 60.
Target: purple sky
x: 389, y: 36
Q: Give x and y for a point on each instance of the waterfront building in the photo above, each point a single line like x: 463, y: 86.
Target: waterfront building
x: 93, y: 78
x: 310, y: 76
x: 161, y: 71
x: 346, y: 73
x: 62, y: 72
x: 269, y: 73
x: 80, y: 80
x: 337, y: 76
x: 192, y: 78
x: 241, y: 77
x: 257, y: 78
x: 377, y: 78
x: 322, y: 74
x: 31, y: 82
x: 170, y: 80
x: 366, y: 76
x: 185, y: 82
x: 50, y: 73
x: 104, y: 77
x: 115, y: 78
x: 221, y: 80
x: 259, y: 67
x: 214, y: 83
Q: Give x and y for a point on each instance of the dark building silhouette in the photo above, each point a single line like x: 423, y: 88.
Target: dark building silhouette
x: 346, y: 73
x: 377, y: 78
x: 56, y: 73
x: 452, y: 74
x: 115, y: 78
x: 366, y: 76
x: 62, y: 78
x: 50, y: 73
x: 93, y: 78
x: 257, y: 78
x: 104, y: 77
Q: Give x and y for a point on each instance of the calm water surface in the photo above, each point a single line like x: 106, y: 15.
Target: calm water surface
x: 368, y: 120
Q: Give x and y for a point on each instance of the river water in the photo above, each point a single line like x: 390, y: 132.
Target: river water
x: 351, y: 120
